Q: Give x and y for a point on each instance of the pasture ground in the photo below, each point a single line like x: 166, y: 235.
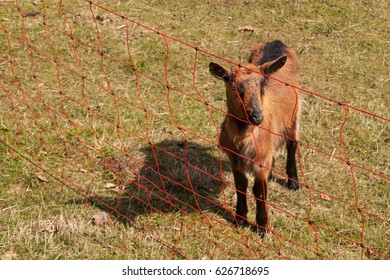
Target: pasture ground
x: 343, y: 51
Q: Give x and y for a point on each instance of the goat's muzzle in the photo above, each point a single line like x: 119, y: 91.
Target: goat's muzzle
x: 256, y: 116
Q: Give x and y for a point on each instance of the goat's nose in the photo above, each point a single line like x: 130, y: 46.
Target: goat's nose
x: 256, y: 117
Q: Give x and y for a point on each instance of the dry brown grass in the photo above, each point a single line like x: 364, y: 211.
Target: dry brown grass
x: 343, y: 49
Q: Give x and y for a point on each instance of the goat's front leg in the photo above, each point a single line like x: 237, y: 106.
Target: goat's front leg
x: 260, y: 193
x: 241, y: 183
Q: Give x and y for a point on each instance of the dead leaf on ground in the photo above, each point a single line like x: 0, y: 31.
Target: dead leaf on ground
x: 100, y: 218
x: 109, y: 186
x: 246, y: 28
x: 52, y: 229
x: 113, y: 187
x: 325, y: 197
x: 41, y: 177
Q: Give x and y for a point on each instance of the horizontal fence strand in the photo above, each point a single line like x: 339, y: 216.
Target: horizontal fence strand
x: 132, y: 149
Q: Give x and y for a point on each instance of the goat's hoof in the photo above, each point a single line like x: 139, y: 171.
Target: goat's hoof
x: 292, y: 185
x: 240, y: 221
x: 261, y: 232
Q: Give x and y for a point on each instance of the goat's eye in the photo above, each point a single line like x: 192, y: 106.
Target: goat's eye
x: 262, y: 83
x: 241, y: 89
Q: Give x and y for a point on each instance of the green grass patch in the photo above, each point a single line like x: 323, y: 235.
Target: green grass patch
x: 85, y: 127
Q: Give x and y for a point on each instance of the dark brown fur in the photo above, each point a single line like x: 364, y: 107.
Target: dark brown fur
x: 258, y: 104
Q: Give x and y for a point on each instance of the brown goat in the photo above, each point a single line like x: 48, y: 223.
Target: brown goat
x: 263, y: 113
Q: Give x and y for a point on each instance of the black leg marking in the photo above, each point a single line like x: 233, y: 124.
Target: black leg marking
x: 270, y: 176
x: 291, y: 168
x: 241, y: 183
x: 260, y: 193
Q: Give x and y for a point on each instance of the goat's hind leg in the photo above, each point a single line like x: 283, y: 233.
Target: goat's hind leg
x: 270, y: 175
x: 291, y: 167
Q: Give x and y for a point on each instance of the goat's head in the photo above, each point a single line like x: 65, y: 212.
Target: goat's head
x: 246, y: 87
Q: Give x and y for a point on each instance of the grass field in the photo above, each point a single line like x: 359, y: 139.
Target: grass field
x: 100, y: 114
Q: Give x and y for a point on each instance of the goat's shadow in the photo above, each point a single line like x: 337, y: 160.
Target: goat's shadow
x: 175, y: 176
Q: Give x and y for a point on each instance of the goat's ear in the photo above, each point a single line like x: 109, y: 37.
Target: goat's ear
x: 218, y: 71
x: 272, y: 66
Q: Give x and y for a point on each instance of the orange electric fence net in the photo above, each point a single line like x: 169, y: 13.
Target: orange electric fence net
x: 128, y: 118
